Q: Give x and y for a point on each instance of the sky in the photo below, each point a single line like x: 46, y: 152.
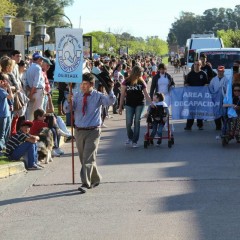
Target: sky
x: 140, y: 18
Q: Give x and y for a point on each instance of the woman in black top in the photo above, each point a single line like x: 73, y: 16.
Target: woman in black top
x: 134, y: 89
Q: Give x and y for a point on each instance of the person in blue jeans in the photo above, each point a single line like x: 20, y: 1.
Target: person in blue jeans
x: 5, y: 114
x: 23, y: 144
x: 134, y: 89
x: 157, y: 116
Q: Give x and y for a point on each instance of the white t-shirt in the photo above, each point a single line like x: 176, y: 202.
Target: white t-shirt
x: 163, y: 84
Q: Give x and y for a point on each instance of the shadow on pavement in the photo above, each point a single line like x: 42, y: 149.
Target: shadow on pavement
x: 60, y: 194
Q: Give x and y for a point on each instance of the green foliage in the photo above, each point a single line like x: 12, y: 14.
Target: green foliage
x: 7, y: 8
x: 212, y: 20
x: 43, y: 12
x: 4, y: 160
x: 230, y: 38
x: 102, y: 42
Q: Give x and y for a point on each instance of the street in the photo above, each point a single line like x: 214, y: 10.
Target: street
x: 187, y: 192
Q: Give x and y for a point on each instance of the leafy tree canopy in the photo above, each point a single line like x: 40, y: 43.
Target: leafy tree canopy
x: 212, y: 20
x: 103, y: 42
x: 7, y: 8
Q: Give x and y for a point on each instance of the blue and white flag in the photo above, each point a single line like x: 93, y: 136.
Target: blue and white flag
x: 69, y: 55
x: 228, y: 99
x: 195, y: 103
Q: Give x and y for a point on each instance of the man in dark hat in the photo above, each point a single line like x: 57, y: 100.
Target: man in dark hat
x: 24, y: 145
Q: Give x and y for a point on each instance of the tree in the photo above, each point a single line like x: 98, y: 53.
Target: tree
x: 7, y: 8
x: 212, y: 20
x: 183, y: 27
x: 43, y: 12
x: 152, y: 45
x: 230, y: 38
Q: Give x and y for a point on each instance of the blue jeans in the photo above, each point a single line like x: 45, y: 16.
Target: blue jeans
x: 56, y: 137
x: 156, y: 128
x: 133, y: 113
x: 26, y: 148
x: 5, y: 123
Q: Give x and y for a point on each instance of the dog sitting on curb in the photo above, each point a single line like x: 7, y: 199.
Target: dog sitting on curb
x: 45, y: 146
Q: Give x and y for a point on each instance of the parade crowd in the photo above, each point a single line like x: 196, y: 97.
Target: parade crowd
x: 26, y: 106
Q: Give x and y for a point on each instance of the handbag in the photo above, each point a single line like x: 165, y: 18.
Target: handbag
x: 18, y: 102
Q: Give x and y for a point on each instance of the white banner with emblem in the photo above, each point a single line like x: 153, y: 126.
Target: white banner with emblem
x: 69, y: 55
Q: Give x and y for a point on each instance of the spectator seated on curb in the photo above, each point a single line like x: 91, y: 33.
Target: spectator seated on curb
x: 23, y: 144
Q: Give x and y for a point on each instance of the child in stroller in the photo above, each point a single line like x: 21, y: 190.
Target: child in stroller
x: 231, y: 128
x: 157, y: 116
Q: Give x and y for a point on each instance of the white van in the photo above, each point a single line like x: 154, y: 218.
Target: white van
x: 220, y: 57
x: 198, y: 41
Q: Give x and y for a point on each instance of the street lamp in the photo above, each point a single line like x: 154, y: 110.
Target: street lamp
x: 28, y: 32
x: 43, y: 35
x: 8, y: 23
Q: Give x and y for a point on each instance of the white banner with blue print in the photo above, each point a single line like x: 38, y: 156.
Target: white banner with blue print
x: 195, y: 103
x: 69, y: 55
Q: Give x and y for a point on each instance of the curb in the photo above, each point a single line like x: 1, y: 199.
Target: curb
x: 7, y: 170
x: 10, y: 169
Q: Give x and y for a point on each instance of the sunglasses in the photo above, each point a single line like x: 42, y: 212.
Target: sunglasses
x: 236, y: 90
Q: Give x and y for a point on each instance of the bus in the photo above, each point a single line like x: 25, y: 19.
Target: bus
x: 220, y: 57
x: 198, y: 41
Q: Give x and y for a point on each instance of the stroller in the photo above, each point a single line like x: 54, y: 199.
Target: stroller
x: 158, y: 116
x: 230, y: 130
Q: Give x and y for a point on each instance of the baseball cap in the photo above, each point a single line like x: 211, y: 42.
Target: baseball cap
x: 96, y: 56
x: 47, y: 60
x: 37, y: 55
x: 27, y: 123
x: 221, y: 68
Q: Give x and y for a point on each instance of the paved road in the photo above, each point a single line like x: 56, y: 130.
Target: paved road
x: 188, y: 192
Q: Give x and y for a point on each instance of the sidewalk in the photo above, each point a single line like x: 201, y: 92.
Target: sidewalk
x: 10, y: 169
x: 7, y: 170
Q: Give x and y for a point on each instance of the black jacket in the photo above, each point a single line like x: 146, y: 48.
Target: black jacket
x: 154, y: 86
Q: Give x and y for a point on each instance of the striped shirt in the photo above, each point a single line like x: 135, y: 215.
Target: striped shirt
x: 15, y: 141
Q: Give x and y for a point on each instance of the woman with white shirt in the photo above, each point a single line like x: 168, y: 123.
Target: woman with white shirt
x: 162, y: 82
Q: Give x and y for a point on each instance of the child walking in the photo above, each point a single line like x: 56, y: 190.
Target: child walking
x: 157, y: 116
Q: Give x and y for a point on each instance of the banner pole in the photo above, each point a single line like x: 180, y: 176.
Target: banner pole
x: 72, y: 140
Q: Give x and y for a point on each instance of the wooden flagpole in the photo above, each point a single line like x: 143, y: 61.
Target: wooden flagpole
x: 72, y: 140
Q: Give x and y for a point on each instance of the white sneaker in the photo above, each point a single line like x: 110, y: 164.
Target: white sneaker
x: 55, y: 154
x: 59, y: 151
x: 134, y: 145
x: 128, y: 142
x: 104, y: 126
